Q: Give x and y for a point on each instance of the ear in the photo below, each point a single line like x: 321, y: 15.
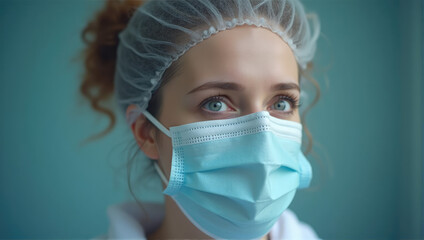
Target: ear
x: 144, y: 134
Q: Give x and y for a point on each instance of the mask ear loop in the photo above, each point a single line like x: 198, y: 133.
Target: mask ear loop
x: 167, y: 133
x: 156, y: 123
x: 161, y: 175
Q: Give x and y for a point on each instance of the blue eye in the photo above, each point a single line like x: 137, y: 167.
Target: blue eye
x: 282, y: 105
x: 215, y: 105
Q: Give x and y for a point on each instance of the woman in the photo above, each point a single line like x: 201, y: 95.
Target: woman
x: 211, y: 92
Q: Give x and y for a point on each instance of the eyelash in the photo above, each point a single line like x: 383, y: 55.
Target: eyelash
x: 218, y: 97
x: 294, y: 101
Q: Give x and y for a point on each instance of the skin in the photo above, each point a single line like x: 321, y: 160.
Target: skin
x: 251, y: 58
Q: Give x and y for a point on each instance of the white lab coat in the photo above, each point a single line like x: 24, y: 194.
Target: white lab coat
x: 127, y: 221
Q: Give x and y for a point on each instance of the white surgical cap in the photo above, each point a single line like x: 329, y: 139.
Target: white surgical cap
x: 161, y: 31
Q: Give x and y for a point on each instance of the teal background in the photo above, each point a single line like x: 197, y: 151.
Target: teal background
x: 368, y: 125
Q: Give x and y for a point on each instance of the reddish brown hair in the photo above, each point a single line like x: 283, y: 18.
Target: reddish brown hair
x: 100, y: 36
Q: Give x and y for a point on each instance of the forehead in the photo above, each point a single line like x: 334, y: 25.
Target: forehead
x: 242, y: 51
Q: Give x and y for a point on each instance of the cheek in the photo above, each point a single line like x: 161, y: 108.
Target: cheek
x: 296, y: 116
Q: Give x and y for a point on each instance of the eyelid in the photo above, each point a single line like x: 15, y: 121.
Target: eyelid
x: 218, y: 97
x: 208, y: 99
x: 292, y: 99
x: 294, y: 102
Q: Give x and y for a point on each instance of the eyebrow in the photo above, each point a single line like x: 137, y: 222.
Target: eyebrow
x: 221, y: 85
x: 286, y: 86
x: 237, y: 87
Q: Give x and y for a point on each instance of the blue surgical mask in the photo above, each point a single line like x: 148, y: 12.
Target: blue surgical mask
x: 233, y: 178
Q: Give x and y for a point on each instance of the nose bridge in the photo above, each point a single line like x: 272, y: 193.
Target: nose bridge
x: 253, y: 102
x: 252, y: 109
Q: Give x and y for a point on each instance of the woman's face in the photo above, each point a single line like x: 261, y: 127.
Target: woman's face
x: 233, y: 73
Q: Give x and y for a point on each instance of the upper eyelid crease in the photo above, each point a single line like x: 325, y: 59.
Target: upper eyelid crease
x: 291, y: 98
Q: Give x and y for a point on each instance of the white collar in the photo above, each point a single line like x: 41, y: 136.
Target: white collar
x: 127, y: 220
